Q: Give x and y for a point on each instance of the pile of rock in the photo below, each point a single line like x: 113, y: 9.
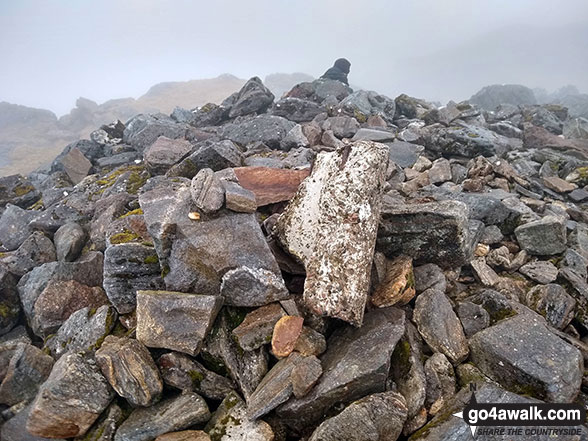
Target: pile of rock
x: 327, y: 265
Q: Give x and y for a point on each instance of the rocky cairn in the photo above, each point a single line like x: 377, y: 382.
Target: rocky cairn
x: 325, y: 266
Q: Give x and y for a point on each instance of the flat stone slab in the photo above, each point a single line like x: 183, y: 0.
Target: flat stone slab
x: 270, y: 185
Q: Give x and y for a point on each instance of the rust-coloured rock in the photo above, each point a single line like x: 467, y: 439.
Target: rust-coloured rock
x: 286, y: 332
x: 398, y: 284
x: 270, y: 185
x: 184, y: 435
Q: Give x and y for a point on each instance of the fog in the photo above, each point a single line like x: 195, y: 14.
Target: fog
x: 53, y: 52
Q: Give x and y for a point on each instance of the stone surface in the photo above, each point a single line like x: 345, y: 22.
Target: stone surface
x: 9, y: 302
x: 270, y: 185
x: 552, y: 302
x: 253, y: 97
x: 69, y: 240
x: 440, y: 171
x: 258, y: 326
x: 175, y: 320
x: 216, y: 155
x: 398, y: 284
x: 106, y: 426
x: 76, y: 165
x: 368, y: 349
x: 429, y: 233
x: 560, y: 185
x: 269, y: 129
x: 546, y: 236
x: 338, y: 205
x: 440, y: 382
x: 15, y: 428
x: 72, y: 398
x: 36, y: 250
x: 286, y: 332
x: 540, y: 271
x: 129, y: 267
x: 130, y: 370
x: 310, y: 342
x: 238, y: 198
x: 207, y: 191
x: 439, y: 325
x: 84, y: 330
x: 428, y: 276
x: 17, y: 190
x: 521, y: 354
x: 184, y: 435
x: 160, y: 156
x: 61, y: 299
x: 188, y: 249
x: 182, y: 372
x: 377, y: 417
x: 230, y: 423
x: 473, y: 318
x: 305, y: 375
x: 14, y: 227
x: 28, y: 368
x: 177, y: 413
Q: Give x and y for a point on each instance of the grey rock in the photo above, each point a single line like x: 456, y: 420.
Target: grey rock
x: 82, y: 331
x: 14, y: 227
x: 321, y: 89
x: 473, y: 318
x: 143, y: 130
x: 428, y: 276
x: 27, y: 369
x: 429, y: 233
x: 492, y: 235
x: 439, y: 325
x: 367, y: 134
x: 552, y: 302
x: 269, y: 129
x: 69, y: 240
x: 253, y: 97
x: 377, y: 417
x: 310, y: 342
x: 245, y: 286
x: 546, y: 236
x: 540, y: 271
x: 207, y: 191
x: 363, y: 103
x: 169, y: 415
x: 407, y: 371
x: 297, y: 109
x: 483, y: 273
x: 87, y: 270
x: 208, y: 154
x: 578, y: 289
x: 209, y: 115
x: 17, y: 190
x: 341, y: 126
x: 221, y: 351
x: 110, y: 162
x: 344, y: 188
x: 521, y: 354
x: 193, y: 317
x: 229, y: 423
x: 72, y: 398
x: 440, y: 171
x: 106, y: 426
x: 129, y: 267
x: 274, y: 389
x: 238, y: 198
x: 36, y: 250
x: 160, y: 156
x: 188, y: 249
x: 305, y: 375
x: 76, y: 165
x: 368, y: 349
x: 440, y: 382
x: 180, y: 371
x: 405, y: 154
x: 575, y: 261
x: 130, y: 370
x: 496, y: 304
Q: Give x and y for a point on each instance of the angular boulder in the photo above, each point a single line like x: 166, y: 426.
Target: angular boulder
x: 160, y: 156
x: 175, y: 320
x: 331, y: 226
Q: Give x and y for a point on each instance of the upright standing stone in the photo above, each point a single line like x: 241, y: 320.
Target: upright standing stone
x: 331, y: 226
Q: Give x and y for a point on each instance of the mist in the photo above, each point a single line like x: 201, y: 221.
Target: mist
x: 54, y: 52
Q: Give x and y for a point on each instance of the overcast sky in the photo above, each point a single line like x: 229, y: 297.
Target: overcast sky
x: 53, y: 51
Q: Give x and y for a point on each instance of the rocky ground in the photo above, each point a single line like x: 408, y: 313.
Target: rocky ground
x: 331, y: 265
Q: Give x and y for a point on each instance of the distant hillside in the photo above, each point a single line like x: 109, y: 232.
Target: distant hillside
x: 32, y: 137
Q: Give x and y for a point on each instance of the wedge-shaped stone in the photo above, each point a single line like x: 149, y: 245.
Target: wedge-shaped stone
x: 258, y: 326
x: 368, y: 349
x: 175, y: 320
x: 331, y: 226
x: 72, y: 398
x: 176, y: 413
x: 130, y: 370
